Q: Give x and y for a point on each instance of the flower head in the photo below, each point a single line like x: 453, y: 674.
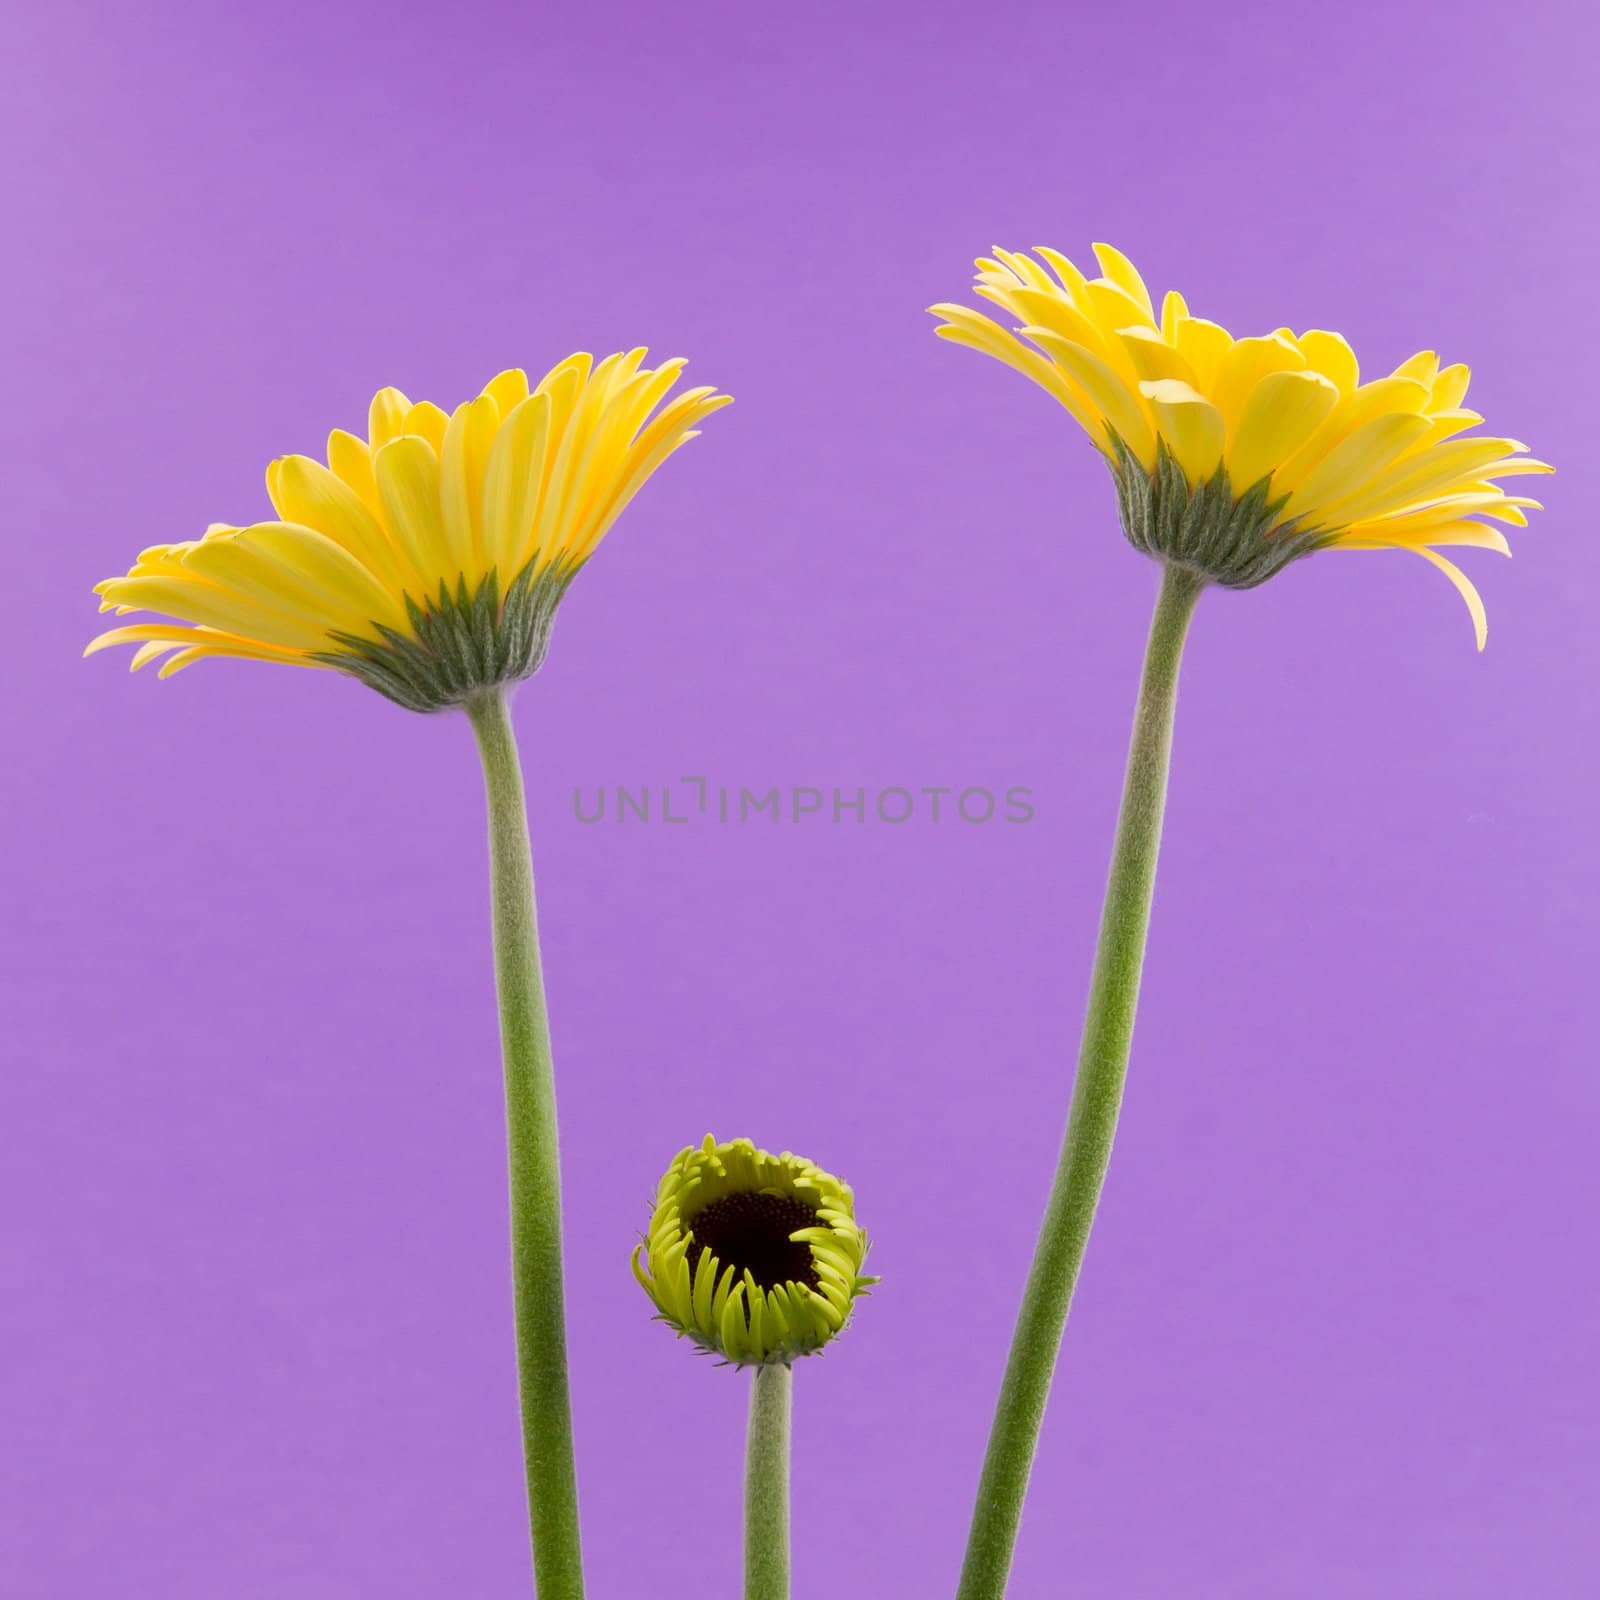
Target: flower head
x: 1236, y: 456
x: 754, y: 1256
x: 427, y: 559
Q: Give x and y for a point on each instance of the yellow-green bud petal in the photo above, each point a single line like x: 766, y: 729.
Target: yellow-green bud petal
x: 755, y: 1257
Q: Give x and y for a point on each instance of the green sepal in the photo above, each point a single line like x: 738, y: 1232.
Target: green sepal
x: 460, y: 642
x: 1238, y: 541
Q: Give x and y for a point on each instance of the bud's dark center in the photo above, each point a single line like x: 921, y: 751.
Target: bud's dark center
x: 750, y: 1232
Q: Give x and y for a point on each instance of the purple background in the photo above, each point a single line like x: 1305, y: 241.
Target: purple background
x: 1337, y: 1331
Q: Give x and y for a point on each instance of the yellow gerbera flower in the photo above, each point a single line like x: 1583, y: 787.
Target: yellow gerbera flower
x: 755, y: 1257
x: 1236, y: 456
x: 427, y: 559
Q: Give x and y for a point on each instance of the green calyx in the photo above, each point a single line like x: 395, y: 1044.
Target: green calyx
x: 755, y: 1257
x: 1237, y: 541
x: 461, y: 643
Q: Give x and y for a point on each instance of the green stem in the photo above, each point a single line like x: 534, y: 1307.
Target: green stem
x: 1096, y: 1100
x: 534, y: 1164
x: 766, y: 1486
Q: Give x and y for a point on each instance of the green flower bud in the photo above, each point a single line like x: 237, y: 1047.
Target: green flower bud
x: 755, y: 1257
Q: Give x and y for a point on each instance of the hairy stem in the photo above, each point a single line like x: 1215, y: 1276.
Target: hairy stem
x: 766, y: 1486
x: 1096, y: 1100
x: 534, y: 1165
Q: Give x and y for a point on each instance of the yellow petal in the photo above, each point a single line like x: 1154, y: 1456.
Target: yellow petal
x: 641, y: 397
x: 1383, y: 397
x: 595, y: 474
x: 565, y: 379
x: 1331, y: 355
x: 1021, y: 268
x: 1122, y: 272
x: 428, y: 421
x: 1244, y: 364
x: 1203, y: 345
x: 1423, y: 474
x: 1511, y: 514
x: 1003, y: 293
x: 168, y: 632
x: 553, y: 530
x: 508, y: 389
x: 1480, y: 620
x: 1520, y: 465
x: 327, y: 570
x: 1383, y: 535
x: 386, y: 417
x: 1446, y: 424
x: 1450, y: 388
x: 965, y: 326
x: 1120, y: 406
x: 160, y: 636
x: 146, y: 653
x: 1113, y: 307
x: 1283, y: 411
x: 408, y: 484
x: 252, y: 652
x: 1423, y: 366
x: 669, y: 431
x: 257, y: 563
x: 1352, y: 464
x: 1190, y: 424
x: 620, y: 371
x: 1489, y: 500
x: 218, y: 605
x: 1072, y: 280
x: 514, y: 485
x: 351, y: 460
x: 463, y: 465
x: 1053, y: 311
x: 1173, y: 310
x: 1152, y: 358
x: 308, y: 493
